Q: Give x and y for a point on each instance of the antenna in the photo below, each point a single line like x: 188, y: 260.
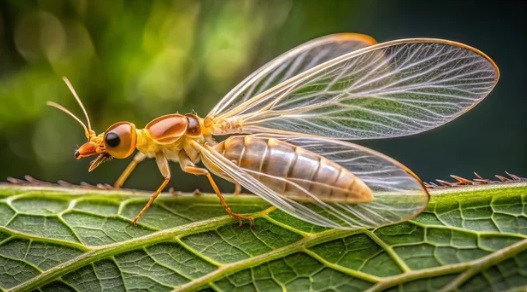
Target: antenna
x: 87, y: 130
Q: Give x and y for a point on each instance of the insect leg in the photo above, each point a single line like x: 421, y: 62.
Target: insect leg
x: 237, y: 189
x: 237, y: 186
x: 189, y: 167
x: 126, y: 173
x: 162, y: 164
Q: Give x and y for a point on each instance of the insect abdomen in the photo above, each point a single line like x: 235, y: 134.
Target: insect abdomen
x: 324, y: 179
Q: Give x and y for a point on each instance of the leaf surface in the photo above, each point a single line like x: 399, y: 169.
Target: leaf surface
x: 68, y: 239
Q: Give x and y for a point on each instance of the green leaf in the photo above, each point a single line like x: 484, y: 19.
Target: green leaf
x: 68, y: 239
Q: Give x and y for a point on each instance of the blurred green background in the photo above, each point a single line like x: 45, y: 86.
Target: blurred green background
x: 137, y: 60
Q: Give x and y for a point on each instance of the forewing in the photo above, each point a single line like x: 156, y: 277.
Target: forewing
x: 292, y: 63
x: 391, y: 89
x: 398, y: 195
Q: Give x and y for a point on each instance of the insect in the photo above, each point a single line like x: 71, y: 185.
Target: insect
x: 288, y: 121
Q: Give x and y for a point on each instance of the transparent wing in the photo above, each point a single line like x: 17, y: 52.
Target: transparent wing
x: 391, y: 89
x: 398, y: 195
x: 292, y: 63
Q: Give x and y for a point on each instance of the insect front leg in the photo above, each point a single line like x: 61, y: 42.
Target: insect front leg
x: 189, y: 167
x: 162, y: 164
x: 126, y: 173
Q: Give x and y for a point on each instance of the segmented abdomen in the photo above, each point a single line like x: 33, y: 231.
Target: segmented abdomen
x: 268, y: 159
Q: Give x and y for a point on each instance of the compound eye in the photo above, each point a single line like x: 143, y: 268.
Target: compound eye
x: 120, y: 139
x: 112, y: 139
